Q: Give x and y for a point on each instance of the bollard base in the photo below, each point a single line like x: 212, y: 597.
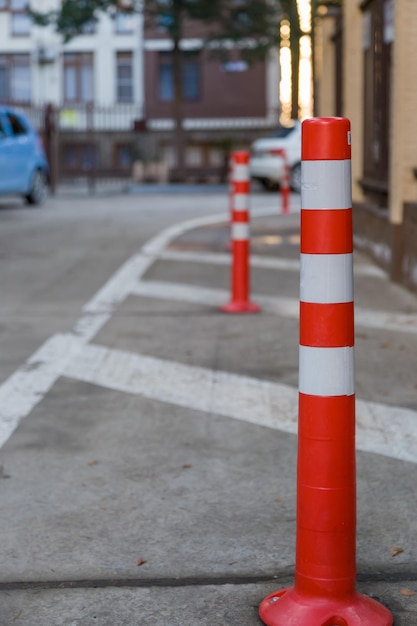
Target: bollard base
x: 287, y: 607
x: 240, y: 306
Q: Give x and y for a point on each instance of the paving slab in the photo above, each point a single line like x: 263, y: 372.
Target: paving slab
x: 208, y: 605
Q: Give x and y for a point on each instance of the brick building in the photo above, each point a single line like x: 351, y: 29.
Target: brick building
x: 111, y: 88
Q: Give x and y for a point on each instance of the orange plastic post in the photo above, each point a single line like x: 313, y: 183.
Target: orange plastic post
x: 285, y: 181
x: 230, y: 186
x: 240, y: 301
x: 324, y: 591
x: 285, y: 187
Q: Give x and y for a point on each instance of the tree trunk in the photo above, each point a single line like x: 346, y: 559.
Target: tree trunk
x: 295, y: 58
x: 295, y: 74
x: 179, y: 133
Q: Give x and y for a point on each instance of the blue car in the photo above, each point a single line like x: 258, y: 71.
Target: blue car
x: 23, y: 165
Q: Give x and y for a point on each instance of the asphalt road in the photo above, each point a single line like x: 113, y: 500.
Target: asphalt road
x: 148, y: 440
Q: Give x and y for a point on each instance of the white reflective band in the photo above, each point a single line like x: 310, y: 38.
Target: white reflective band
x: 240, y: 231
x: 326, y: 371
x: 326, y: 278
x: 326, y: 185
x: 240, y: 173
x: 240, y: 201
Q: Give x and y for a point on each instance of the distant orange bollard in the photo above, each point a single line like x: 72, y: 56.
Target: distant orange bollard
x: 285, y: 182
x: 240, y: 302
x: 324, y: 591
x: 230, y: 186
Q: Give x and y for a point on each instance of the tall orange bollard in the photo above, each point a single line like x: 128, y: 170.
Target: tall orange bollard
x: 324, y: 591
x: 240, y: 302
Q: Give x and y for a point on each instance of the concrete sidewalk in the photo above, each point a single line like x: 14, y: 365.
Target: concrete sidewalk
x: 154, y: 482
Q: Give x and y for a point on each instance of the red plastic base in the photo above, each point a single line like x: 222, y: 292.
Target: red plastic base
x: 239, y: 306
x: 287, y: 607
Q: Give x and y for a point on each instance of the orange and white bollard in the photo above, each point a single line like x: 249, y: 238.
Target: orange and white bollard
x: 240, y: 302
x: 230, y: 187
x: 285, y: 182
x: 324, y: 591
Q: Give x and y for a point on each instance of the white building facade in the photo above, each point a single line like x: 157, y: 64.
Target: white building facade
x: 108, y: 87
x: 104, y: 65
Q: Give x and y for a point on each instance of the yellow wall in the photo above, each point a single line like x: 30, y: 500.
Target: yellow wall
x: 353, y: 87
x: 324, y: 67
x: 403, y: 139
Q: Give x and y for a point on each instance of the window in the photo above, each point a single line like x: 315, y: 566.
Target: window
x: 377, y: 38
x: 15, y: 78
x: 123, y: 156
x: 78, y: 77
x: 18, y: 5
x: 164, y: 17
x: 21, y: 24
x: 80, y: 157
x: 166, y: 84
x: 190, y: 76
x: 124, y: 22
x: 89, y: 28
x: 124, y: 77
x: 16, y: 124
x: 20, y: 20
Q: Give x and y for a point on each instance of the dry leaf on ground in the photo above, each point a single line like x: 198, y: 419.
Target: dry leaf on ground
x: 407, y: 592
x: 395, y: 551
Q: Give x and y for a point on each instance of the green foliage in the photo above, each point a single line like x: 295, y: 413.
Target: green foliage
x: 73, y: 16
x: 253, y: 23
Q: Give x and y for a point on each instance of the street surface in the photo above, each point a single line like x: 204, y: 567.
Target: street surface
x: 149, y: 440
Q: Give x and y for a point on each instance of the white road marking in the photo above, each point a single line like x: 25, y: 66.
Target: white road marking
x: 26, y: 387
x: 161, y: 241
x: 381, y: 429
x: 287, y: 307
x: 284, y: 306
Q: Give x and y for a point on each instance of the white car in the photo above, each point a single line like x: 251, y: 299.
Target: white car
x: 268, y: 168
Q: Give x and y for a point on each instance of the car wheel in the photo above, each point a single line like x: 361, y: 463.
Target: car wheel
x: 295, y: 178
x: 38, y: 189
x: 268, y: 185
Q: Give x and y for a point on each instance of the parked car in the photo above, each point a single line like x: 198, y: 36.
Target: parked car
x: 23, y: 165
x: 267, y: 167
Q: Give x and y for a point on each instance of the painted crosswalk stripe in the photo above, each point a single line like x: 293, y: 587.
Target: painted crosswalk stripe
x: 381, y: 429
x: 284, y: 306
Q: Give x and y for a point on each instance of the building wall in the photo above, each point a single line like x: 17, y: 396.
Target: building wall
x: 47, y: 77
x: 353, y: 88
x: 325, y: 67
x: 384, y: 223
x: 223, y: 94
x: 386, y: 231
x: 246, y: 103
x: 403, y: 184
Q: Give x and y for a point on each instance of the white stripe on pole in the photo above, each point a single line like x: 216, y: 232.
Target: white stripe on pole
x: 240, y: 172
x: 326, y: 278
x: 240, y: 202
x: 326, y: 371
x: 240, y: 231
x: 326, y: 185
